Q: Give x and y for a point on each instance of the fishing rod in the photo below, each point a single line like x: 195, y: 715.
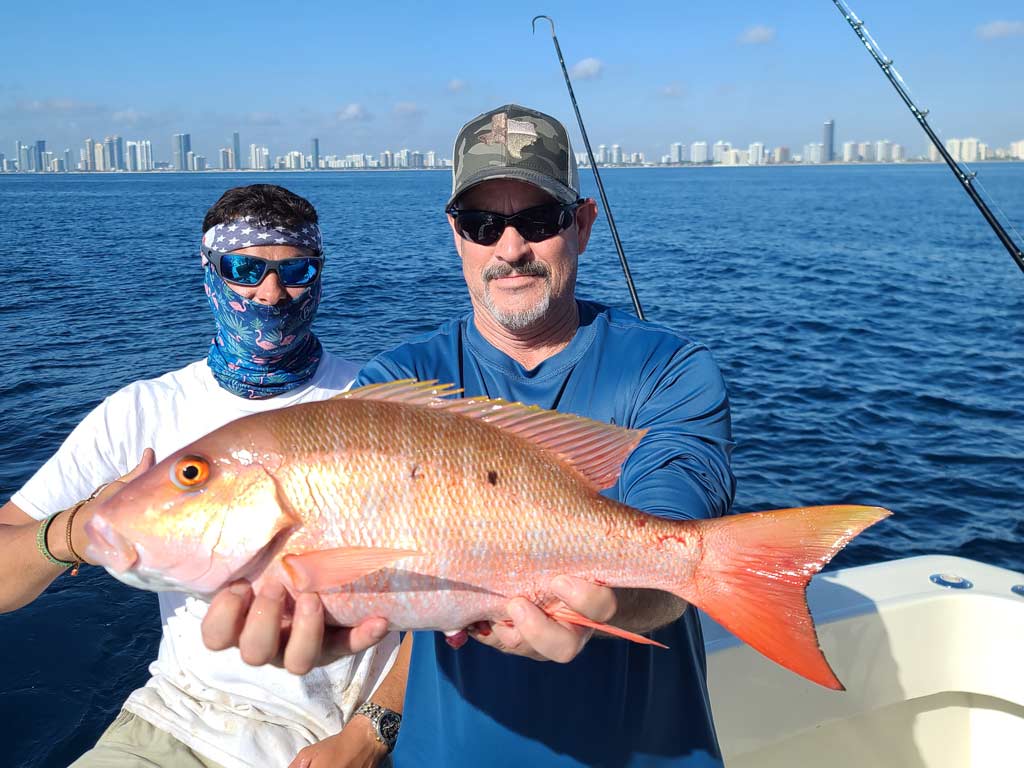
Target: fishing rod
x: 966, y: 178
x: 593, y: 165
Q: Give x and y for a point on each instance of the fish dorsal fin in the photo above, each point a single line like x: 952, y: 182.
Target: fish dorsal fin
x: 409, y: 391
x: 595, y: 450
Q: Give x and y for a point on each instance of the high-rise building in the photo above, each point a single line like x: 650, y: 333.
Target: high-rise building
x: 897, y: 153
x: 814, y: 153
x: 67, y: 160
x: 198, y: 162
x: 828, y: 153
x: 782, y: 155
x: 24, y: 156
x: 38, y: 150
x: 699, y: 152
x: 226, y: 162
x: 866, y: 150
x: 676, y: 152
x: 953, y: 147
x: 3, y: 163
x: 109, y: 154
x: 146, y: 155
x: 97, y: 157
x: 236, y: 149
x: 602, y: 154
x: 1017, y: 150
x: 755, y: 154
x: 386, y: 160
x: 850, y: 152
x: 719, y: 151
x: 431, y: 159
x: 90, y: 157
x: 315, y: 155
x: 969, y: 150
x: 182, y: 145
x: 616, y: 157
x: 883, y: 151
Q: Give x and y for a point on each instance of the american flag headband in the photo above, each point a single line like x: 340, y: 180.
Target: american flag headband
x: 246, y: 233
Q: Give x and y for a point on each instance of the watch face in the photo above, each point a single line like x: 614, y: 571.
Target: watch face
x: 388, y: 726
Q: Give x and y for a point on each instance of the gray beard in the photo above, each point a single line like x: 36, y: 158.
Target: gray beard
x: 517, y: 321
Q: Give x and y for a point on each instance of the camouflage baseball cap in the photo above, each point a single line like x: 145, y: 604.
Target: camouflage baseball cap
x: 513, y: 142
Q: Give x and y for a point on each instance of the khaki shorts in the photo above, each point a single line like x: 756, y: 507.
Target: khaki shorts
x: 131, y: 741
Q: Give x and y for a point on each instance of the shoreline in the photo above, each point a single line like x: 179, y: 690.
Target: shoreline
x: 650, y: 166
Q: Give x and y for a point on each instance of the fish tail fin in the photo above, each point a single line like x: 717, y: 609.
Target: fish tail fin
x: 753, y: 576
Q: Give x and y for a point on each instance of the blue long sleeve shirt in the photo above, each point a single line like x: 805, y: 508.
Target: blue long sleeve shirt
x: 617, y: 703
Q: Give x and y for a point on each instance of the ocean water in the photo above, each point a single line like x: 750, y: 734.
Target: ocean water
x: 869, y: 324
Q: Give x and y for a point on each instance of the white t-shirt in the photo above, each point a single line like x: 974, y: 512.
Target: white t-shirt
x: 212, y: 701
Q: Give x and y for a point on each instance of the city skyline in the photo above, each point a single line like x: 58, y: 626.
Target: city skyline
x: 115, y: 153
x: 743, y: 75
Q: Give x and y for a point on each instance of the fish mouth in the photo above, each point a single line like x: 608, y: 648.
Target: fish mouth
x: 108, y: 547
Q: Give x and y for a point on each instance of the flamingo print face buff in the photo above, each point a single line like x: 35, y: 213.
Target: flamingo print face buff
x: 261, y: 351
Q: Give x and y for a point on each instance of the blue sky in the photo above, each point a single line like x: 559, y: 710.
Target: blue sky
x: 369, y: 76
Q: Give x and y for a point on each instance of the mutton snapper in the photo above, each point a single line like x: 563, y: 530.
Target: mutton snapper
x: 433, y: 513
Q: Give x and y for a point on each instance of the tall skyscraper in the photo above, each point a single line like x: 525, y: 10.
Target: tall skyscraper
x: 699, y: 152
x: 315, y: 154
x: 602, y: 154
x: 719, y: 150
x: 109, y: 154
x: 68, y: 166
x: 236, y: 146
x: 755, y: 154
x: 182, y: 144
x: 676, y: 152
x: 828, y: 152
x: 850, y: 152
x: 97, y: 157
x: 38, y: 150
x: 90, y: 156
x: 24, y: 157
x: 226, y: 161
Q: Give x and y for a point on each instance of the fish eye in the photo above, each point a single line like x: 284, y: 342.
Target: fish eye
x: 190, y: 472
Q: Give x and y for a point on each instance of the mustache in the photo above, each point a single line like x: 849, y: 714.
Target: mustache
x: 526, y: 269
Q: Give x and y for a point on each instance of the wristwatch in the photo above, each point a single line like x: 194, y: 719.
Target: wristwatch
x: 385, y: 721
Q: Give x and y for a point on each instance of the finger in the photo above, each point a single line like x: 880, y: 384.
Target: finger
x: 225, y: 617
x: 593, y: 601
x: 148, y: 460
x: 549, y: 638
x: 307, y: 634
x: 261, y: 636
x: 344, y: 641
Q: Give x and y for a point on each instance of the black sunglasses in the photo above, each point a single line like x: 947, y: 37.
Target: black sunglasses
x: 534, y: 224
x: 242, y: 269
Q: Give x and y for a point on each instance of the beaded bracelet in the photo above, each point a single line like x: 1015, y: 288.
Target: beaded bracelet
x: 41, y: 545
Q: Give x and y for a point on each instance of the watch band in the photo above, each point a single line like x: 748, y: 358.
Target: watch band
x: 386, y: 722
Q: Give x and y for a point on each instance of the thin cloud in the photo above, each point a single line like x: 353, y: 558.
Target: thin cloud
x: 588, y: 69
x: 757, y: 35
x: 672, y: 91
x: 457, y: 85
x: 353, y: 113
x: 408, y: 109
x: 263, y: 119
x: 998, y: 29
x: 54, y: 107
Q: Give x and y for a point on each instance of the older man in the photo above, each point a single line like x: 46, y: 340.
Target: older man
x: 519, y: 228
x: 261, y: 268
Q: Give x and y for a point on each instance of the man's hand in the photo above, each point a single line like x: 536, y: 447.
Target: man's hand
x: 535, y: 635
x: 264, y: 632
x: 355, y: 747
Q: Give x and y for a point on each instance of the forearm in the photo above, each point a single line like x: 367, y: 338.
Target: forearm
x: 24, y: 572
x: 391, y: 691
x: 643, y: 610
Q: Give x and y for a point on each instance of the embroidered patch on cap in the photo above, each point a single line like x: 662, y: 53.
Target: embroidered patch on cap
x: 516, y: 135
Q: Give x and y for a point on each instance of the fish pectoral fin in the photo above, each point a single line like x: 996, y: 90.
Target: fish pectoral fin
x: 564, y: 613
x: 318, y: 571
